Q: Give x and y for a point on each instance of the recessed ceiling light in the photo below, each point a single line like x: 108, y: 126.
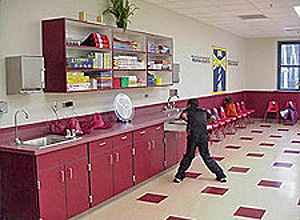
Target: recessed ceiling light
x: 252, y: 16
x: 297, y: 9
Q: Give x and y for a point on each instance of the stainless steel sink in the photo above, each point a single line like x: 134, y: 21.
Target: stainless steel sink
x: 46, y: 141
x: 175, y: 125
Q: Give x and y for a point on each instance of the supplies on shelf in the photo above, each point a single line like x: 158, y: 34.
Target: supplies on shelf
x: 100, y: 60
x: 77, y: 81
x: 103, y: 80
x: 125, y: 44
x: 128, y: 81
x: 153, y: 80
x: 94, y: 60
x: 159, y: 48
x: 96, y: 40
x: 160, y: 64
x: 128, y: 62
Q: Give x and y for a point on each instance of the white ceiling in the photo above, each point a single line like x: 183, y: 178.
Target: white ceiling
x: 223, y: 14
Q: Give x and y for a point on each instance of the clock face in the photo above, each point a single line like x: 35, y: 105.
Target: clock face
x: 123, y: 106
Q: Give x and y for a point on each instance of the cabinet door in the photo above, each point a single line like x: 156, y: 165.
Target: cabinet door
x: 122, y: 168
x: 52, y: 194
x: 77, y: 187
x: 181, y: 145
x: 101, y: 177
x: 157, y: 154
x: 171, y: 149
x: 142, y: 160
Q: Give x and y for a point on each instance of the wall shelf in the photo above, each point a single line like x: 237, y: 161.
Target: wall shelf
x: 113, y: 57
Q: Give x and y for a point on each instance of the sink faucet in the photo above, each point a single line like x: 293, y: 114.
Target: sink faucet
x: 171, y: 103
x: 17, y: 139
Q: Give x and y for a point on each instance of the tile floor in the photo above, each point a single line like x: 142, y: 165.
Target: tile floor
x: 259, y: 187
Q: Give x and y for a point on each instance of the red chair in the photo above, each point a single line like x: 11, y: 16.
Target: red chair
x: 224, y: 117
x: 250, y: 112
x: 214, y: 127
x: 273, y: 108
x: 242, y: 117
x: 292, y: 115
x: 223, y: 123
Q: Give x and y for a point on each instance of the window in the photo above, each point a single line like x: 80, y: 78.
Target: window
x: 288, y: 65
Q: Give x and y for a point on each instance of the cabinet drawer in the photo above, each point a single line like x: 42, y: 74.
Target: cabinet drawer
x: 61, y: 156
x: 141, y: 134
x: 157, y: 129
x: 101, y: 145
x: 122, y: 139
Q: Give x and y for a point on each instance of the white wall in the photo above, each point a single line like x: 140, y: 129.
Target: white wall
x: 261, y: 65
x: 20, y: 33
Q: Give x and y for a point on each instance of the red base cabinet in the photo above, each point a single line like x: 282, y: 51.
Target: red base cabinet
x: 149, y: 152
x: 111, y: 167
x: 175, y: 147
x: 63, y: 185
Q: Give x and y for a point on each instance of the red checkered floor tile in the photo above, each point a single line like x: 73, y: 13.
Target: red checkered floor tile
x: 216, y: 141
x: 260, y: 155
x: 246, y: 138
x: 177, y: 218
x: 298, y: 203
x: 192, y: 175
x: 298, y: 133
x: 250, y: 212
x: 239, y: 169
x: 275, y: 136
x: 282, y: 164
x: 291, y: 152
x: 215, y: 190
x: 295, y: 142
x: 217, y: 158
x: 265, y: 126
x: 152, y: 198
x: 267, y: 144
x: 270, y: 183
x: 282, y: 129
x: 235, y: 147
x: 230, y: 133
x: 257, y: 131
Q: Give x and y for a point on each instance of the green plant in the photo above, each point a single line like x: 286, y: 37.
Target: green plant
x: 122, y: 10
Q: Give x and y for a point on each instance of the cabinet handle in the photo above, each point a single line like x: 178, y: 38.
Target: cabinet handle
x: 142, y: 132
x: 124, y: 137
x: 111, y: 159
x: 153, y: 144
x: 158, y: 128
x: 102, y: 144
x: 149, y: 145
x: 71, y: 173
x: 62, y: 175
x: 118, y: 157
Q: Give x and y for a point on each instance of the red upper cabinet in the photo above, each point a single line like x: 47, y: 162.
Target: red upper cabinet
x: 83, y: 56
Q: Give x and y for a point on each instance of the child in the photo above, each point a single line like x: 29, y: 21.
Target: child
x: 197, y: 137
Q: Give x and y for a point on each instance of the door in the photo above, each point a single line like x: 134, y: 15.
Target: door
x: 122, y: 168
x: 157, y: 154
x: 52, y: 194
x: 77, y: 187
x: 101, y: 177
x: 142, y: 166
x: 171, y: 149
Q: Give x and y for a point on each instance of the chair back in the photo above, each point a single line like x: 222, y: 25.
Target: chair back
x: 238, y: 108
x: 273, y: 106
x: 222, y: 112
x: 215, y: 110
x: 290, y: 103
x: 243, y: 106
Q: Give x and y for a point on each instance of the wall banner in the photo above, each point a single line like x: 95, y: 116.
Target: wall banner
x: 219, y: 70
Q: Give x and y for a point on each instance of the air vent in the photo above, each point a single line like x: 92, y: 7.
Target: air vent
x: 252, y: 17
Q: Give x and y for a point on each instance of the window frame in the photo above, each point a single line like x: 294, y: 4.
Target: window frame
x: 279, y: 44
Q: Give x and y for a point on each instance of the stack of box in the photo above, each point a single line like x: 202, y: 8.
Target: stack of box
x: 104, y: 79
x: 128, y: 62
x: 96, y: 40
x: 160, y: 65
x: 100, y: 60
x: 151, y: 80
x: 80, y: 62
x: 77, y: 81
